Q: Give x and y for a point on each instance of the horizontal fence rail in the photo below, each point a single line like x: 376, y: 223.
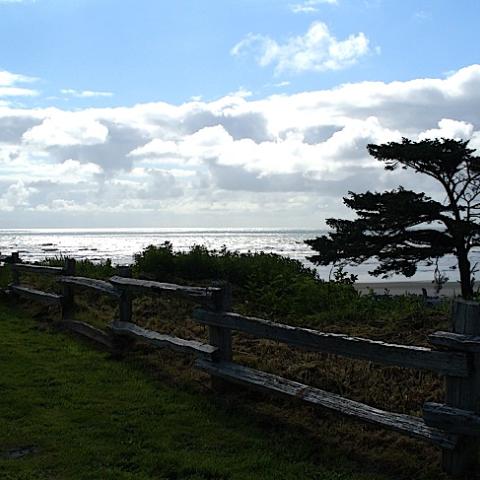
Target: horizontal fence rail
x: 454, y: 425
x: 93, y: 284
x: 27, y: 268
x: 160, y: 340
x: 451, y: 419
x: 412, y: 426
x: 37, y: 295
x: 88, y: 331
x: 445, y: 363
x: 456, y: 341
x: 133, y: 285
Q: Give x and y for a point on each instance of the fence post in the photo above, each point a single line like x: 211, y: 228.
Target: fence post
x: 125, y: 307
x: 68, y: 301
x: 464, y: 393
x: 121, y: 344
x: 221, y: 337
x: 15, y: 273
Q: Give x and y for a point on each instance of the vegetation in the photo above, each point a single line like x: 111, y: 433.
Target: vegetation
x: 278, y: 288
x: 269, y: 286
x: 69, y: 412
x: 401, y: 228
x: 199, y: 263
x: 85, y: 268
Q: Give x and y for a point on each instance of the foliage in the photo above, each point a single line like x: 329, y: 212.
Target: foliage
x: 343, y: 277
x: 400, y: 227
x: 84, y: 268
x: 439, y: 278
x: 268, y: 284
x: 275, y: 287
x: 200, y: 263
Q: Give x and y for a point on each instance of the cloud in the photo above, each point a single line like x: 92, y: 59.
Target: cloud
x: 66, y: 129
x: 8, y: 79
x: 10, y: 85
x: 287, y: 157
x: 16, y: 195
x: 84, y: 93
x: 315, y: 51
x: 284, y: 83
x: 14, y: 123
x: 448, y: 128
x: 310, y: 6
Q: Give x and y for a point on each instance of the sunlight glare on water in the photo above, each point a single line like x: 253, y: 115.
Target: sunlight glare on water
x: 122, y: 243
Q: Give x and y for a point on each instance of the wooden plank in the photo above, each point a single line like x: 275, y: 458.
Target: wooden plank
x: 68, y: 304
x: 464, y: 393
x: 446, y: 363
x: 87, y: 331
x: 37, y: 295
x: 15, y: 273
x: 450, y: 419
x: 412, y: 426
x: 455, y: 341
x: 221, y: 337
x: 91, y: 283
x: 149, y: 287
x: 160, y: 340
x: 125, y: 308
x: 123, y: 343
x: 41, y: 269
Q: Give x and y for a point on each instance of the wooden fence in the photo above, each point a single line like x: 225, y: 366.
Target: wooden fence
x: 454, y: 426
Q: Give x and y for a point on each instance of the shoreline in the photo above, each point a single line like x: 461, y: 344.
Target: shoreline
x: 450, y: 289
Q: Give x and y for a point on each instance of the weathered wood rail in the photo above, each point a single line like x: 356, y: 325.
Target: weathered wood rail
x: 39, y: 296
x: 413, y: 426
x: 454, y: 425
x: 174, y: 343
x: 445, y: 363
x: 93, y: 284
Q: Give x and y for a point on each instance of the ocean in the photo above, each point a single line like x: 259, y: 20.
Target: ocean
x: 120, y: 244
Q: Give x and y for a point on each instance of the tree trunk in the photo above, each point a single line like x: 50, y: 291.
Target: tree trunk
x: 465, y: 274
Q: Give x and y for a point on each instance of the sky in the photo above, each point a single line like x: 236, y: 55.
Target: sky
x: 222, y: 113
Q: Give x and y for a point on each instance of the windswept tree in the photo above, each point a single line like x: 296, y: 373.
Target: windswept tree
x: 400, y: 228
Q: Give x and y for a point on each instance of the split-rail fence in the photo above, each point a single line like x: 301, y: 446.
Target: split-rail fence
x: 454, y: 425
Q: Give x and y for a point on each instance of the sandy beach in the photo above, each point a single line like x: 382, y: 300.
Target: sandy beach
x: 450, y: 289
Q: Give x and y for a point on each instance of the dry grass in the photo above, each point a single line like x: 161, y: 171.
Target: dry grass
x: 390, y: 388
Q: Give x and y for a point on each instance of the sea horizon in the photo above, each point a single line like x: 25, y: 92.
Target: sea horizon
x: 120, y: 244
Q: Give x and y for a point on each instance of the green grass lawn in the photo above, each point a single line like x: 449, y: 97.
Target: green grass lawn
x: 70, y: 412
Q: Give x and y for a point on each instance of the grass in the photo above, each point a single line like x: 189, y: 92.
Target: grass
x: 271, y: 287
x: 69, y: 412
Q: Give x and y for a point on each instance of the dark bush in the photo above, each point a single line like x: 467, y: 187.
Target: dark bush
x: 85, y: 268
x: 265, y: 283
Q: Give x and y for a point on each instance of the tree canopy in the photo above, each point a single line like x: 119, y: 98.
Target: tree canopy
x: 400, y: 227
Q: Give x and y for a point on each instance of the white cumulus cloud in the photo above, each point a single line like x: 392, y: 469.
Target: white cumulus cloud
x: 288, y: 156
x: 17, y: 195
x: 317, y: 50
x: 67, y: 128
x: 448, y: 128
